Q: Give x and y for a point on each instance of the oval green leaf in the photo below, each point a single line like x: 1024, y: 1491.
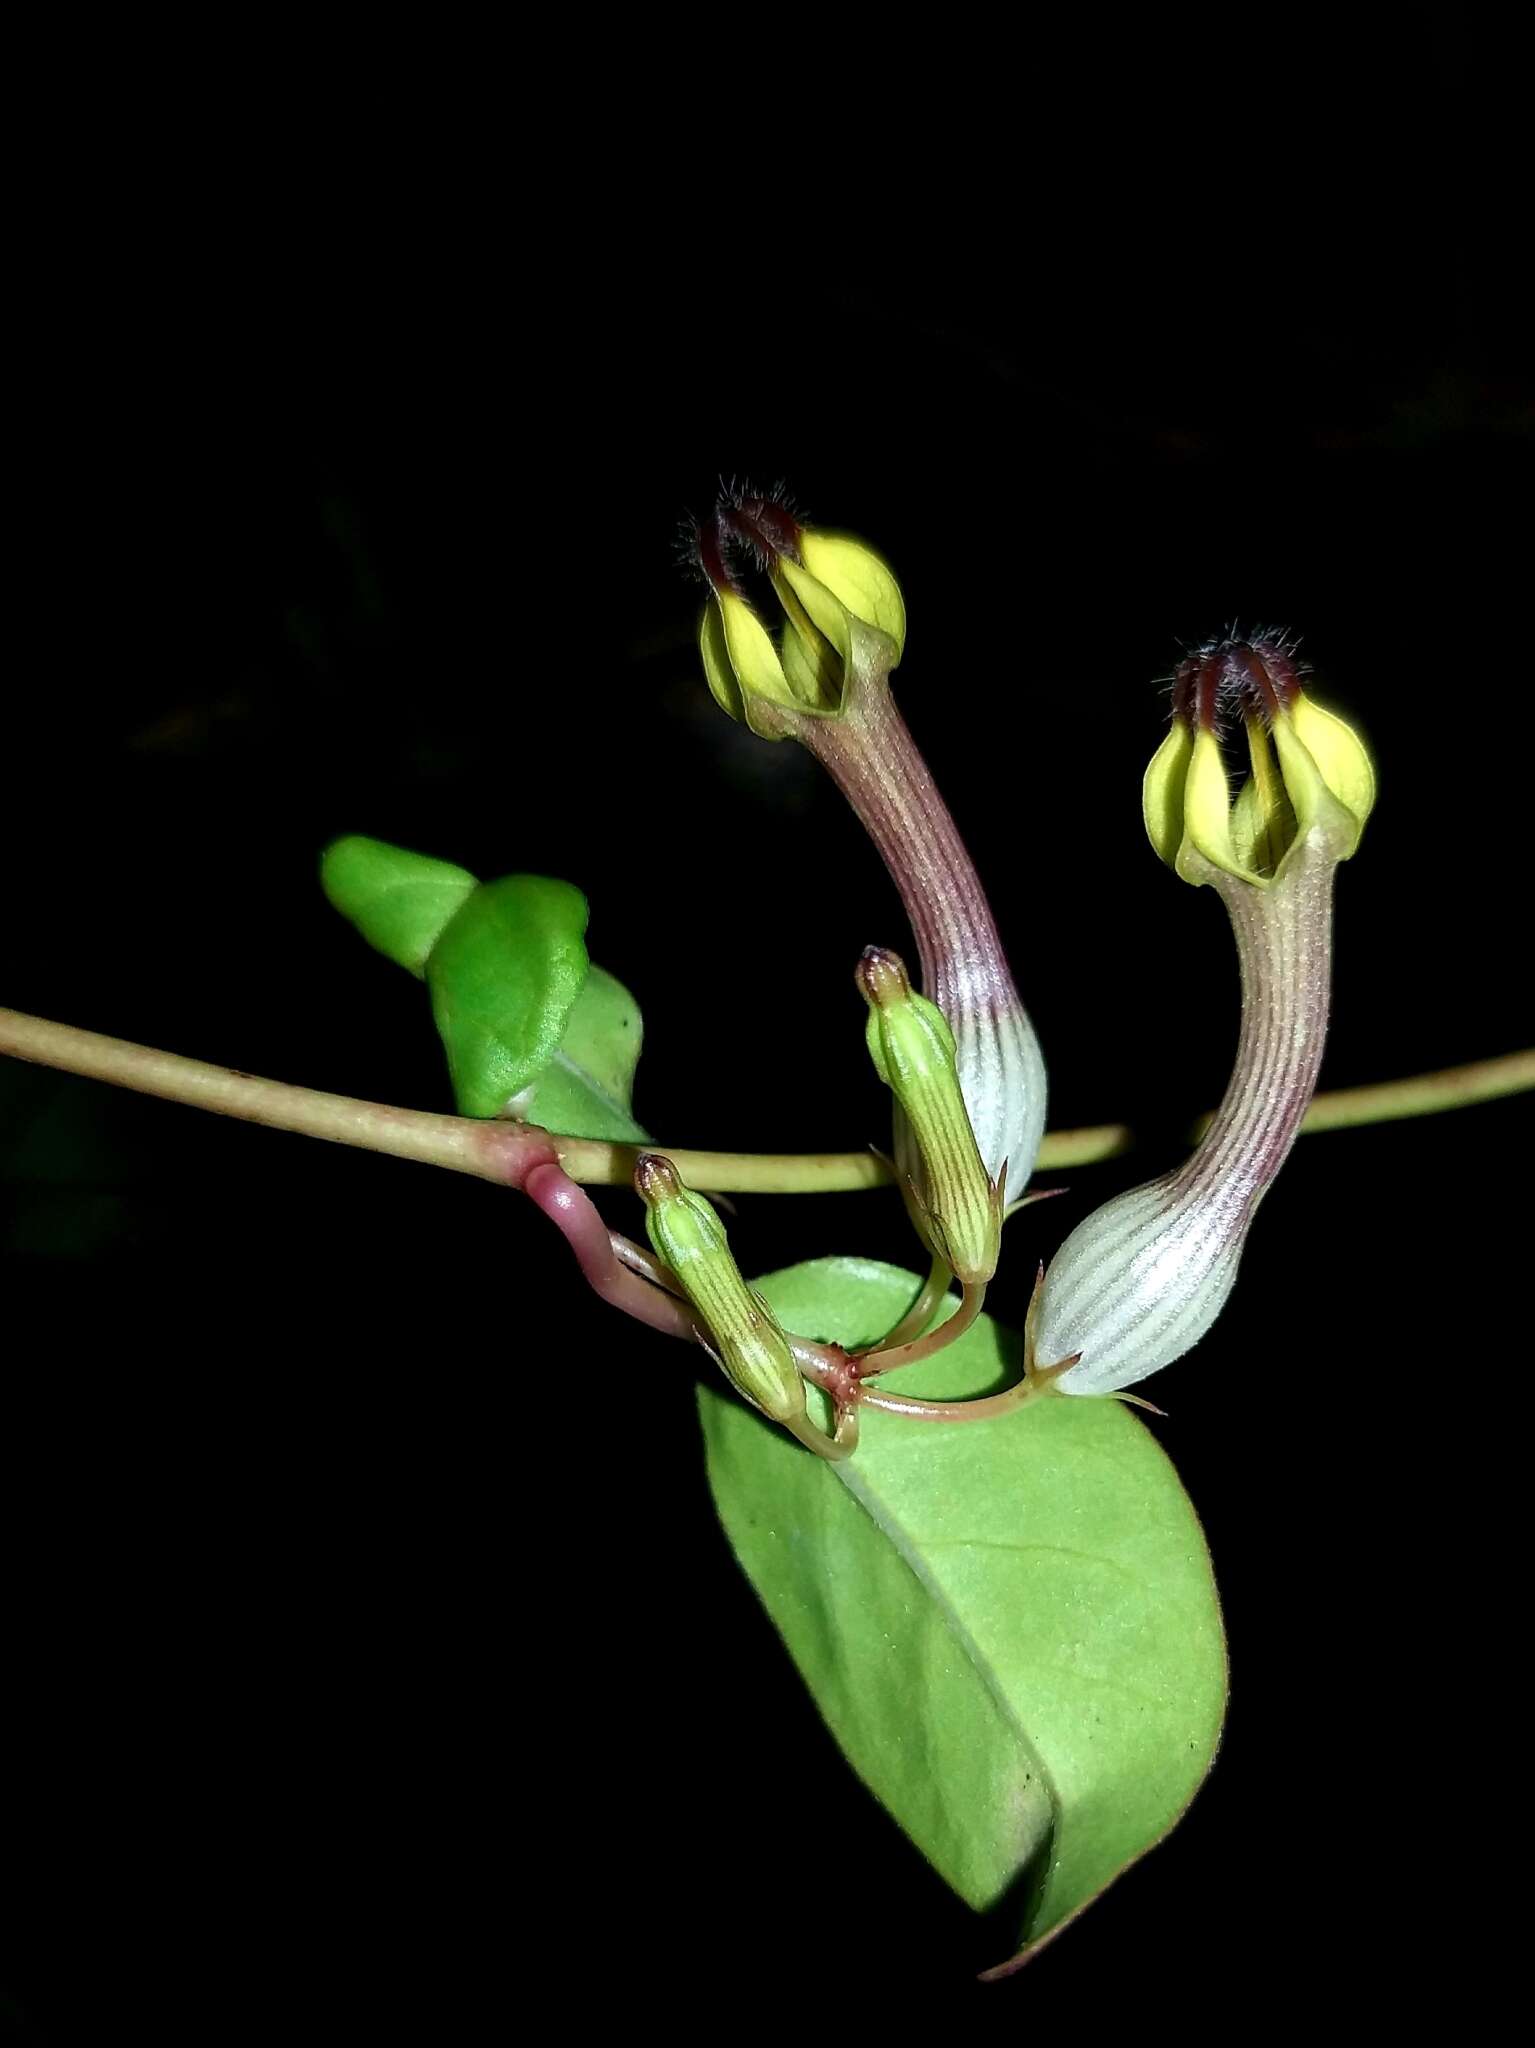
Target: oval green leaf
x: 504, y: 977
x: 1010, y: 1627
x: 401, y: 902
x: 528, y: 1025
x: 585, y: 1089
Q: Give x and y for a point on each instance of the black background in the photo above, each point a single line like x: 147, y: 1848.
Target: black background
x: 373, y: 1660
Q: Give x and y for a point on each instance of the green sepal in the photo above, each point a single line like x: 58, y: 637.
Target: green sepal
x: 504, y: 977
x: 401, y: 902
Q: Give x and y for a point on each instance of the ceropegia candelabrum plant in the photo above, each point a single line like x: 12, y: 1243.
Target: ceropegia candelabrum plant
x: 977, y: 1555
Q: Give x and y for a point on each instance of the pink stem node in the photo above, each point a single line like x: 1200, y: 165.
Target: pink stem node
x: 574, y: 1214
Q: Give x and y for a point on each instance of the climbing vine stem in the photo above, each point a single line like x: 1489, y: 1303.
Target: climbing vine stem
x: 507, y: 1152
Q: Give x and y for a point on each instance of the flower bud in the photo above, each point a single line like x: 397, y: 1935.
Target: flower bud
x: 958, y: 1205
x: 686, y: 1233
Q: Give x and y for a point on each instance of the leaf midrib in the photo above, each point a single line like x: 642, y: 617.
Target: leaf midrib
x: 894, y: 1532
x: 608, y: 1100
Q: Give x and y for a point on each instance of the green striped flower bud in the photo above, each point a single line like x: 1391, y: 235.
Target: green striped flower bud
x: 959, y: 1206
x: 687, y: 1235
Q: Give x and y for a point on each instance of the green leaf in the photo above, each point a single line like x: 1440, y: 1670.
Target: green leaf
x: 585, y: 1089
x: 401, y: 902
x: 1010, y: 1627
x: 504, y: 978
x: 520, y: 1011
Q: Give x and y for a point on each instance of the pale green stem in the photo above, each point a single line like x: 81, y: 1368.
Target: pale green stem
x: 891, y: 1357
x: 646, y: 1264
x: 1420, y: 1094
x: 984, y: 1408
x: 842, y: 1442
x: 1086, y: 1146
x: 922, y: 1310
x: 600, y: 1164
x: 505, y: 1152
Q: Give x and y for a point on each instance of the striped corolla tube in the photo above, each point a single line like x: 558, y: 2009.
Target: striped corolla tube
x: 1141, y: 1280
x: 825, y: 681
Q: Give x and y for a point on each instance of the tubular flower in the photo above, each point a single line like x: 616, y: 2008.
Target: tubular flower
x: 825, y: 681
x: 1141, y: 1280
